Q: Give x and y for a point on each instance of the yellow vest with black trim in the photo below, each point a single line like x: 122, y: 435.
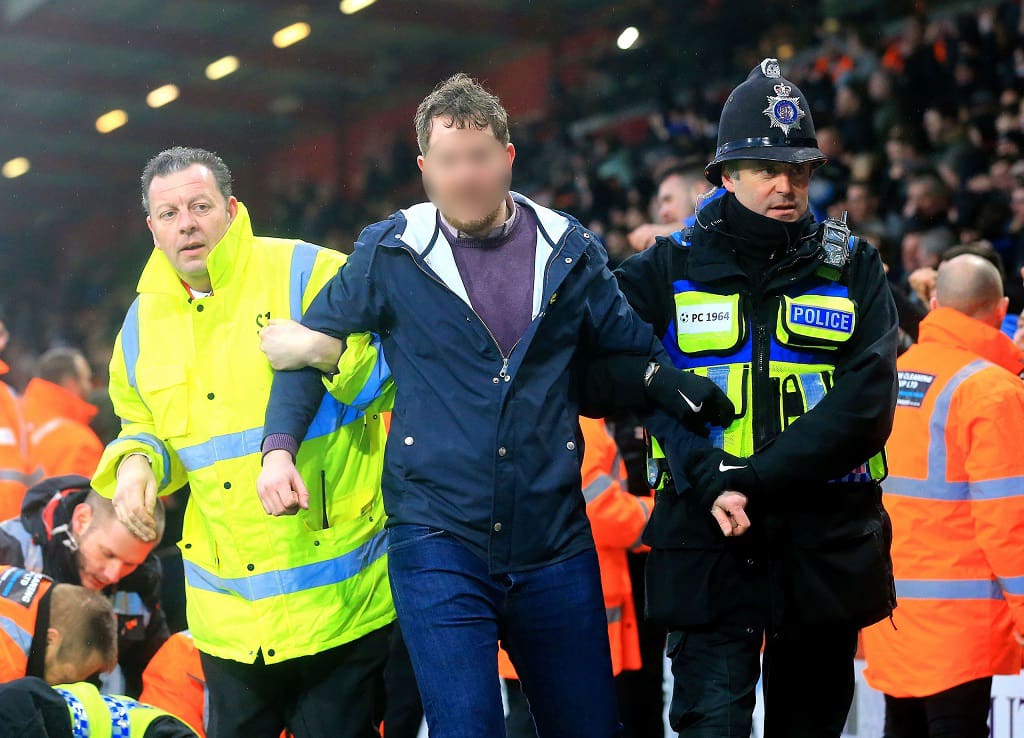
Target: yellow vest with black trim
x: 710, y: 335
x: 95, y: 715
x: 191, y: 385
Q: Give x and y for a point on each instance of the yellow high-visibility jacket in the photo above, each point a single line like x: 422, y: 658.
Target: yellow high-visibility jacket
x: 191, y: 385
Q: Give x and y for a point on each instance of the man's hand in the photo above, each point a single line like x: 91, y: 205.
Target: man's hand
x: 922, y: 281
x: 642, y: 237
x: 279, y: 486
x: 729, y: 511
x: 689, y: 397
x: 135, y: 497
x: 291, y: 345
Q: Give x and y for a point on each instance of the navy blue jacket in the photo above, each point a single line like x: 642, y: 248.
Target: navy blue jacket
x: 484, y: 446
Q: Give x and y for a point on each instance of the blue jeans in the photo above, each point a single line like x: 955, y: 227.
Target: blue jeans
x: 551, y: 621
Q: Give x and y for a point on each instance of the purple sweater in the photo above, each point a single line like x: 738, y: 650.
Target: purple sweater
x: 498, y: 274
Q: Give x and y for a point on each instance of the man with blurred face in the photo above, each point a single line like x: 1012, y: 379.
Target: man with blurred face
x: 291, y: 613
x: 71, y: 534
x: 485, y: 302
x: 676, y: 199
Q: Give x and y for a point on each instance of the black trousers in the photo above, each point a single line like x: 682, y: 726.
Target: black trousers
x: 403, y: 709
x: 959, y: 712
x: 332, y: 694
x: 808, y: 682
x: 641, y: 693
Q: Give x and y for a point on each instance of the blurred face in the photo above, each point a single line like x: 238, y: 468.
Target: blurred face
x: 1017, y: 204
x: 933, y: 125
x: 923, y: 200
x: 107, y: 551
x: 914, y: 255
x: 81, y: 384
x: 773, y: 189
x: 847, y: 103
x: 466, y: 174
x: 5, y: 336
x: 878, y: 86
x: 860, y: 204
x: 674, y: 205
x: 188, y: 216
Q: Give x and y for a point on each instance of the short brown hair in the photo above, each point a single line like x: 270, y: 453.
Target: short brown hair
x: 103, y: 512
x: 87, y: 623
x: 464, y: 102
x: 180, y: 158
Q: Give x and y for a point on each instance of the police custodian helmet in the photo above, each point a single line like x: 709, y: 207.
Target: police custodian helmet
x: 765, y: 118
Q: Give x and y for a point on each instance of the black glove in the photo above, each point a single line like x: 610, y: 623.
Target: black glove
x: 712, y: 471
x: 691, y: 398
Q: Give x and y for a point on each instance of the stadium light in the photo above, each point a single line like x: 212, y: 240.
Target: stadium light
x: 291, y: 35
x: 348, y: 7
x: 627, y: 38
x: 111, y: 121
x: 222, y: 67
x: 15, y: 167
x: 161, y: 96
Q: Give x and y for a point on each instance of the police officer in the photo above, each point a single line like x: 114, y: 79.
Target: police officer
x: 772, y: 527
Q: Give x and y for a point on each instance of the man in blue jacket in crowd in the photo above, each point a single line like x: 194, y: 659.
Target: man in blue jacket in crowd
x: 488, y: 305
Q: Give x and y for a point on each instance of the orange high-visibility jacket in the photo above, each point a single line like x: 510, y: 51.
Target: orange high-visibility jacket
x: 617, y: 518
x: 20, y: 594
x: 174, y: 681
x: 955, y: 494
x: 60, y: 439
x: 15, y: 473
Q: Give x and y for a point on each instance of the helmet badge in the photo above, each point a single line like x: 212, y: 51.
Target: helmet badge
x: 783, y: 110
x: 771, y: 68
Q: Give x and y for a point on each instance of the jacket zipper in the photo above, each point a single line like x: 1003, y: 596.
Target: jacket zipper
x: 762, y: 374
x: 505, y: 359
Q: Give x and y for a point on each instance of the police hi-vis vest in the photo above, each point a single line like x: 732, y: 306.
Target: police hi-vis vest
x: 712, y: 335
x: 107, y: 716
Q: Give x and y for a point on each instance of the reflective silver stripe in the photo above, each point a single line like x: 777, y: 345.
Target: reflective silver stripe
x: 21, y: 637
x: 14, y: 475
x: 647, y: 516
x: 21, y: 419
x: 46, y: 429
x: 30, y: 552
x: 290, y: 581
x: 935, y: 485
x: 600, y: 484
x: 614, y: 614
x: 948, y: 589
x: 617, y: 470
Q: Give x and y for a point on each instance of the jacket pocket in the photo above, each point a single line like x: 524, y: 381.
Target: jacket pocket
x: 164, y: 389
x: 403, y: 536
x: 845, y: 577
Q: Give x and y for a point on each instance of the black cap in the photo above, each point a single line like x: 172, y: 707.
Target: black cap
x: 765, y: 118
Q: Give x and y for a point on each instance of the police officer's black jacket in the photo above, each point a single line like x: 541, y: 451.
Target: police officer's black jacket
x: 141, y: 623
x: 817, y: 551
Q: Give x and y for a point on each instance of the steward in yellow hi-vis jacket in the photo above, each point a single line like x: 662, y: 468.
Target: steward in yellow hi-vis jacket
x: 291, y: 613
